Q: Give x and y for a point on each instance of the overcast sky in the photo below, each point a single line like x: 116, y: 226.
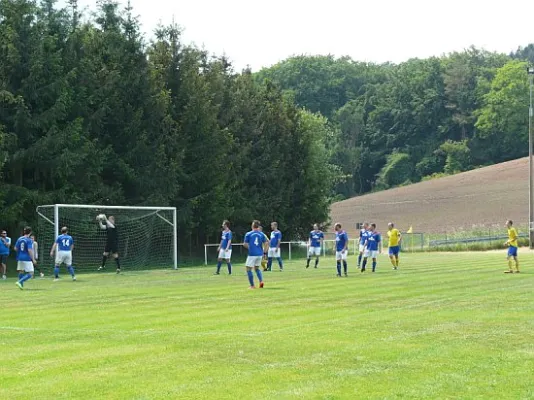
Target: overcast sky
x: 261, y: 33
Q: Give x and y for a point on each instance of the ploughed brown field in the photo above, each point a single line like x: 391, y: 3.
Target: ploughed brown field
x: 482, y: 197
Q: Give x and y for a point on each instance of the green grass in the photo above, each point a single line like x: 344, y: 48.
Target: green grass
x: 448, y: 326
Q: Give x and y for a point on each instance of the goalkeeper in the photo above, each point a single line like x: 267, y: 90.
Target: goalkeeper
x: 112, y: 241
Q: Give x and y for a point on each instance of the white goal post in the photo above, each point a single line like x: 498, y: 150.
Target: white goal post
x: 148, y: 236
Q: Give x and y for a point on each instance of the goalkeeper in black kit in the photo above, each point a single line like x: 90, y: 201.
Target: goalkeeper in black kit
x: 112, y: 241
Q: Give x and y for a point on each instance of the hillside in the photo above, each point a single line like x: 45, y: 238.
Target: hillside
x: 482, y: 197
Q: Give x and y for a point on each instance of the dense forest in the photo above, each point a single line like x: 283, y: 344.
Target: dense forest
x: 93, y: 112
x: 398, y: 124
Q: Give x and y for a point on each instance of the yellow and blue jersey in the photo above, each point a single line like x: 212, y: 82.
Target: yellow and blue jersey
x: 512, y: 237
x: 394, y: 237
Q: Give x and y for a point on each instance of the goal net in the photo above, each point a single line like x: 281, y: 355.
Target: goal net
x: 147, y: 235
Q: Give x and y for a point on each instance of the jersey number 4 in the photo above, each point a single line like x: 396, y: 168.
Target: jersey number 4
x: 256, y: 242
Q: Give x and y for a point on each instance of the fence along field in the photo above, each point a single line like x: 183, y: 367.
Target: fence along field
x: 450, y: 212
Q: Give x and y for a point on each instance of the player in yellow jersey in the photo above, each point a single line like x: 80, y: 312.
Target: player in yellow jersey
x: 394, y: 244
x: 512, y: 248
x: 264, y: 258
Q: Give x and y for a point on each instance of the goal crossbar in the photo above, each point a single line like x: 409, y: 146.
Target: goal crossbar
x: 154, y: 211
x: 110, y: 207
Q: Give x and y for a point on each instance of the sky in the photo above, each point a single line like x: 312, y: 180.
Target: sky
x: 261, y: 33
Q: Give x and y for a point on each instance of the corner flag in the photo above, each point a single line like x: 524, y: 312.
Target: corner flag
x: 410, y: 230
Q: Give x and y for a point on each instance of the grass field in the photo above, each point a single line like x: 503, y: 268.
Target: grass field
x: 447, y: 326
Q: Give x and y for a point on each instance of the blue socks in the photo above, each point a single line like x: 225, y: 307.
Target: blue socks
x: 219, y: 264
x: 345, y: 267
x: 71, y: 270
x: 20, y: 275
x: 250, y: 277
x: 280, y: 263
x: 360, y: 260
x: 259, y: 275
x: 25, y: 278
x: 374, y: 266
x: 269, y: 263
x: 364, y: 264
x: 56, y: 272
x: 338, y: 265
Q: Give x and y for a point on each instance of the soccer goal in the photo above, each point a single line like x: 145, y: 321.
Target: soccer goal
x: 147, y: 235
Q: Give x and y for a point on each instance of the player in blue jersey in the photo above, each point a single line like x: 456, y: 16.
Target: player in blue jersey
x: 342, y: 244
x: 373, y: 247
x: 256, y: 243
x: 363, y: 238
x: 25, y: 257
x: 5, y: 245
x: 274, y: 247
x: 315, y: 243
x: 63, y: 250
x: 225, y: 248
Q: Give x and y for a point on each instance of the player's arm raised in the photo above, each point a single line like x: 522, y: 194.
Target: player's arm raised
x: 101, y: 222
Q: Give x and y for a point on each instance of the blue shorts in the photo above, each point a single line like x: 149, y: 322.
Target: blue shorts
x: 394, y: 250
x: 512, y: 251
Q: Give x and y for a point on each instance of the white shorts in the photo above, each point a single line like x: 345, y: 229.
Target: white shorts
x: 274, y: 252
x: 225, y: 254
x: 362, y: 248
x: 341, y: 255
x: 370, y: 253
x: 64, y: 257
x: 314, y: 251
x: 253, y: 261
x: 26, y: 266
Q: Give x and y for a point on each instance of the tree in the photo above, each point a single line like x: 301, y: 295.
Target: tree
x: 502, y: 122
x: 457, y: 156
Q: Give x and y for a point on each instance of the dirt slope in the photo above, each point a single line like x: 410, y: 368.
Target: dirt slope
x: 483, y: 197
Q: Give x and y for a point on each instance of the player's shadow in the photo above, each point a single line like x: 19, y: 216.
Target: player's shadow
x: 273, y: 288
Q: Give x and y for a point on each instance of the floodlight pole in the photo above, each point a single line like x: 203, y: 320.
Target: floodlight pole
x: 530, y: 71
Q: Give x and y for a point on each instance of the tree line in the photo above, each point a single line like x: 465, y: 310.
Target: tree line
x: 396, y: 124
x: 91, y: 112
